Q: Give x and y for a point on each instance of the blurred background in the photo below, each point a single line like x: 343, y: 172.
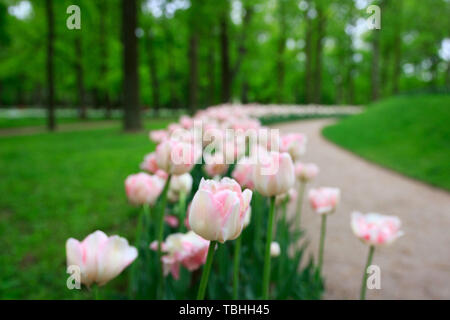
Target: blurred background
x: 191, y: 54
x: 67, y: 95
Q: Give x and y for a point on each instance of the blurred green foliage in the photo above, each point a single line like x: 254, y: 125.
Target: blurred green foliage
x: 267, y: 43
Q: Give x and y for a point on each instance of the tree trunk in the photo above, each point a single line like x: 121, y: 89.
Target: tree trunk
x: 211, y: 97
x: 193, y: 71
x: 225, y: 60
x: 318, y: 65
x: 308, y: 60
x: 104, y: 58
x: 132, y: 114
x: 82, y: 114
x: 51, y: 123
x: 153, y: 74
x: 242, y: 51
x: 280, y: 53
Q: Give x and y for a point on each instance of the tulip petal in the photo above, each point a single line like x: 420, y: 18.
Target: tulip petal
x: 115, y: 256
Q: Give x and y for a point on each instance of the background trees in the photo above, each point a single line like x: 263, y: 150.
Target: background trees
x: 195, y: 53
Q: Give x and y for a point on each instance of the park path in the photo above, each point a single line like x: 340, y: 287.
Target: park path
x: 417, y: 265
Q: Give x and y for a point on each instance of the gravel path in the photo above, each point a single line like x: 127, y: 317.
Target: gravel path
x: 416, y: 266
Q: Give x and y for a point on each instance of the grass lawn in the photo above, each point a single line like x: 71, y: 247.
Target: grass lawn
x: 31, y: 122
x: 409, y: 134
x: 61, y: 185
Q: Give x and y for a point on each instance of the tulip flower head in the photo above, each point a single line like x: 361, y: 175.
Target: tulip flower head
x: 274, y: 174
x: 218, y: 210
x: 176, y: 157
x: 306, y: 171
x: 142, y: 188
x: 376, y: 229
x: 99, y: 257
x: 243, y: 173
x: 187, y: 249
x: 171, y: 220
x: 294, y: 144
x: 288, y: 197
x: 158, y: 136
x: 324, y: 200
x: 215, y: 165
x: 178, y: 185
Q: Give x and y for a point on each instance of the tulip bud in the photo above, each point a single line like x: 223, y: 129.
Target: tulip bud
x: 99, y: 257
x: 274, y: 249
x: 306, y: 171
x: 274, y: 174
x: 187, y: 249
x: 176, y: 157
x: 294, y: 144
x: 243, y: 172
x: 218, y: 210
x: 324, y: 200
x: 288, y: 197
x: 158, y: 136
x: 142, y: 188
x: 215, y: 165
x: 376, y: 229
x: 178, y: 185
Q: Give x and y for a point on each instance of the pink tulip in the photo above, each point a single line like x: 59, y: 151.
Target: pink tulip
x: 142, y: 188
x: 294, y: 144
x: 158, y: 136
x: 171, y: 220
x: 288, y: 197
x: 376, y: 229
x: 189, y: 250
x: 149, y: 164
x: 186, y: 122
x: 215, y: 165
x: 306, y: 171
x: 181, y: 184
x: 243, y: 173
x: 175, y: 157
x: 324, y: 200
x: 99, y: 257
x: 274, y: 174
x: 218, y: 210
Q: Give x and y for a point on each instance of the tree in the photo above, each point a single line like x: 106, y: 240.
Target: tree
x: 225, y: 58
x: 320, y: 35
x: 82, y: 110
x: 51, y: 123
x: 132, y: 112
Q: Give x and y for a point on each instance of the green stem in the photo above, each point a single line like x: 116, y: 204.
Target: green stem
x: 162, y: 209
x: 266, y: 271
x: 206, y: 271
x: 301, y: 191
x: 258, y: 220
x: 237, y: 256
x: 284, y: 212
x: 323, y: 230
x: 364, y: 281
x: 96, y: 292
x: 182, y: 211
x: 142, y: 223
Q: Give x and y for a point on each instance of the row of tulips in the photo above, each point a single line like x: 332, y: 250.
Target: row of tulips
x: 186, y: 219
